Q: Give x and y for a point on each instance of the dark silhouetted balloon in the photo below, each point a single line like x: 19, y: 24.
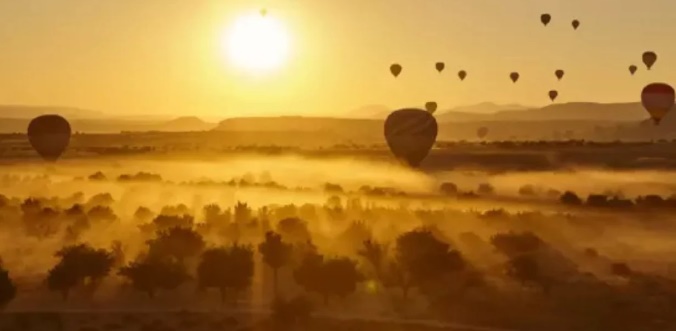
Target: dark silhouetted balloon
x: 576, y: 24
x: 431, y: 107
x: 49, y: 135
x: 410, y: 134
x: 462, y: 74
x: 440, y: 66
x: 553, y: 94
x: 482, y: 132
x: 514, y: 76
x: 632, y: 69
x: 657, y: 99
x: 649, y: 59
x: 559, y: 74
x: 545, y: 19
x: 395, y: 69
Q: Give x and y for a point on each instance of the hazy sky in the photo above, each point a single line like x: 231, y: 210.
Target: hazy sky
x: 164, y: 56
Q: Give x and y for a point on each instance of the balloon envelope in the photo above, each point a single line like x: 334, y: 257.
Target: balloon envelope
x: 649, y: 59
x: 482, y: 132
x: 576, y: 24
x: 658, y: 99
x: 440, y: 66
x: 559, y: 74
x: 545, y: 19
x: 632, y: 69
x: 264, y: 12
x: 410, y: 133
x: 462, y: 74
x: 395, y: 69
x: 553, y: 94
x: 431, y: 107
x: 49, y: 135
x: 514, y: 76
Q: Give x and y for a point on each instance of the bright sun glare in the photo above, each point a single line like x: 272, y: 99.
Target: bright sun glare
x: 257, y: 43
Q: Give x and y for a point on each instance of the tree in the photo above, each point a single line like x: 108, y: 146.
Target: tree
x: 165, y: 222
x: 375, y: 253
x: 570, y: 198
x: 421, y: 257
x: 242, y: 213
x: 523, y: 268
x: 79, y: 265
x: 177, y: 242
x: 448, y: 188
x: 621, y: 270
x: 293, y: 229
x: 514, y: 244
x: 276, y: 254
x: 340, y: 277
x: 486, y: 189
x: 7, y: 289
x: 151, y: 274
x: 227, y: 269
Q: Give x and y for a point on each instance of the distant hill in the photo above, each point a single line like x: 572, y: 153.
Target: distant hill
x: 574, y: 111
x: 485, y: 108
x: 189, y: 123
x: 18, y: 111
x: 113, y: 125
x: 370, y: 111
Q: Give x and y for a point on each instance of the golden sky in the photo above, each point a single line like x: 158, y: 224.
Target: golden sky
x: 165, y: 57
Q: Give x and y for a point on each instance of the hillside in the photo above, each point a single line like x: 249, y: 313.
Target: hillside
x: 24, y: 112
x: 585, y: 111
x: 112, y: 125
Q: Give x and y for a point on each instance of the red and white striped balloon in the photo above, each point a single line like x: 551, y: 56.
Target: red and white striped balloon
x: 658, y: 99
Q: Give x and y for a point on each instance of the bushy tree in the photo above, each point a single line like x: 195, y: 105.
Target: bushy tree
x: 293, y: 229
x: 165, y: 222
x: 420, y: 258
x: 7, y: 288
x: 486, y: 189
x: 227, y: 269
x: 514, y: 244
x: 79, y: 265
x: 151, y: 274
x: 570, y: 198
x: 375, y: 253
x: 276, y: 254
x: 177, y: 242
x: 448, y: 188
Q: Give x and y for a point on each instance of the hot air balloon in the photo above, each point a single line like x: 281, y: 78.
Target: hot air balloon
x: 545, y: 19
x: 514, y: 76
x: 576, y: 24
x: 410, y: 134
x: 649, y: 59
x: 395, y: 69
x: 559, y: 74
x: 264, y: 12
x: 632, y: 69
x: 431, y: 107
x: 482, y: 132
x: 49, y: 135
x: 657, y: 99
x: 553, y: 94
x: 440, y: 66
x: 462, y: 74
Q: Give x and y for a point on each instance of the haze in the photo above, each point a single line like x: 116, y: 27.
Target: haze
x: 159, y: 57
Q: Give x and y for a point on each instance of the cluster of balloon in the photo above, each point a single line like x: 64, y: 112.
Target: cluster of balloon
x: 649, y: 59
x: 658, y: 99
x: 546, y: 18
x: 410, y: 134
x: 482, y: 132
x: 431, y: 107
x: 514, y: 76
x: 49, y: 135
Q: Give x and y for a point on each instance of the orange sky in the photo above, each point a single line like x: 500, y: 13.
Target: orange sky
x: 164, y: 56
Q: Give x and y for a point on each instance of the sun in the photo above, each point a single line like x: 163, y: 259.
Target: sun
x: 257, y: 43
